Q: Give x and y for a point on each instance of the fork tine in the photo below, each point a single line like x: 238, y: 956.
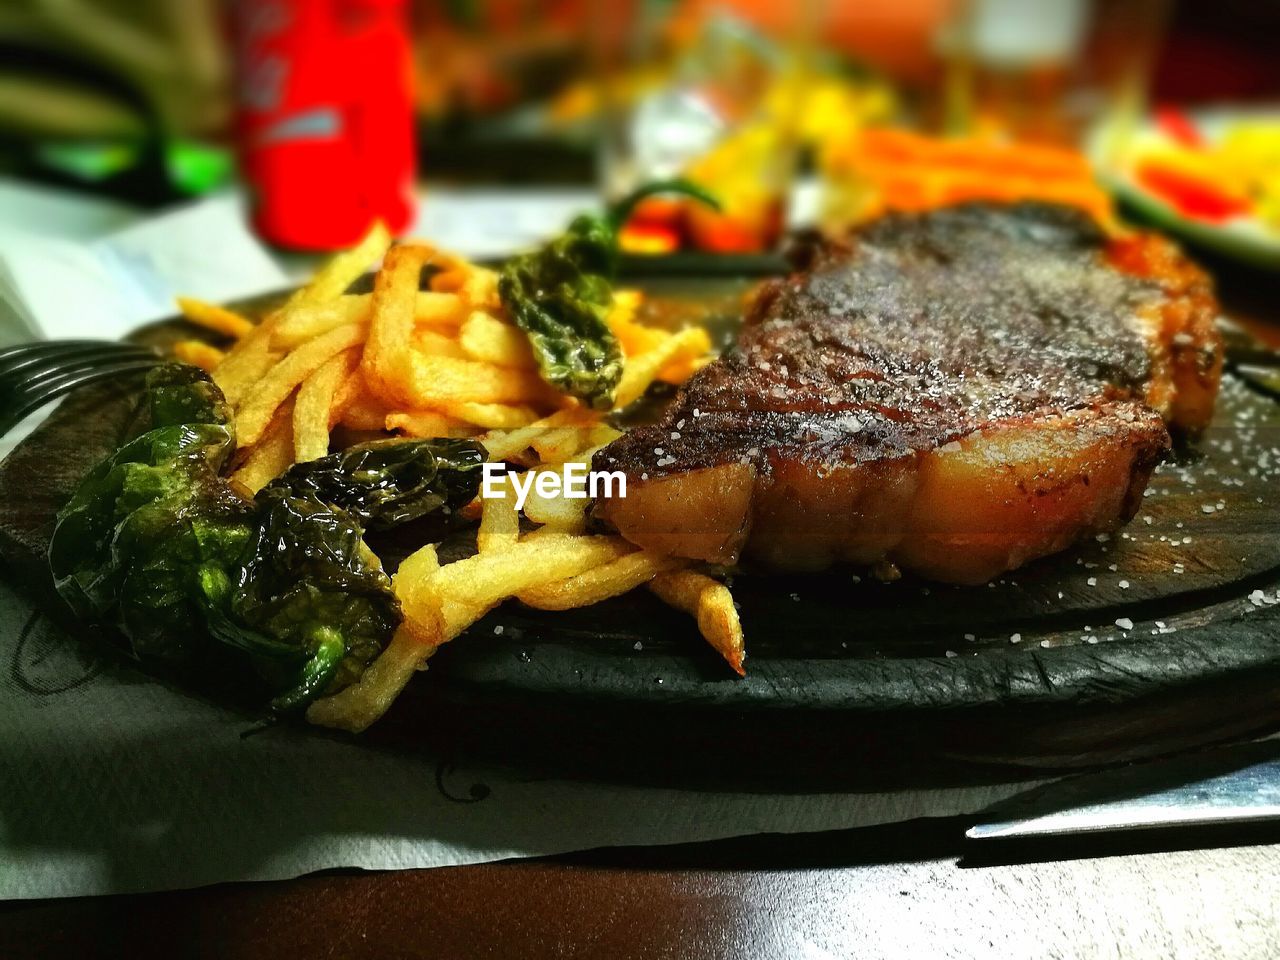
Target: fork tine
x: 37, y: 346
x: 53, y: 356
x: 35, y: 375
x: 27, y: 402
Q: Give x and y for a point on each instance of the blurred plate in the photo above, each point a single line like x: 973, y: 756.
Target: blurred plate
x: 1246, y: 239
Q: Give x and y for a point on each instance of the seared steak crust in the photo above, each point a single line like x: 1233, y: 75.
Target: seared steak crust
x: 917, y: 334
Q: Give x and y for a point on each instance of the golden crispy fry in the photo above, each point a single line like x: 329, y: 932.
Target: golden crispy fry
x: 499, y: 522
x: 333, y: 279
x: 364, y: 412
x: 558, y: 445
x: 273, y: 454
x: 450, y: 280
x: 560, y: 513
x: 257, y: 408
x: 365, y: 701
x: 513, y: 443
x: 610, y: 580
x: 637, y: 339
x: 462, y: 592
x: 421, y: 423
x: 488, y: 339
x: 436, y: 309
x: 198, y: 353
x: 480, y: 290
x: 641, y: 370
x: 247, y: 362
x: 440, y: 380
x: 712, y: 604
x: 601, y: 434
x: 215, y: 318
x: 681, y: 369
x: 305, y: 321
x: 437, y: 345
x: 415, y: 570
x: 355, y: 707
x: 311, y: 410
x: 490, y: 416
x: 388, y: 354
x: 346, y: 394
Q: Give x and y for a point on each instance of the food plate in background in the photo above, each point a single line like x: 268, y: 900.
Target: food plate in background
x: 1250, y: 235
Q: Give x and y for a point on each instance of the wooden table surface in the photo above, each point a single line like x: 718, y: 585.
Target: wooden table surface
x: 906, y: 890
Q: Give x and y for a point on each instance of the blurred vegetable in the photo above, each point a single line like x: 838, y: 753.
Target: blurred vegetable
x: 560, y: 294
x: 1191, y: 195
x: 159, y: 544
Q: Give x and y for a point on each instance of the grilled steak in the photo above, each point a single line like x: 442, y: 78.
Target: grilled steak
x: 957, y: 392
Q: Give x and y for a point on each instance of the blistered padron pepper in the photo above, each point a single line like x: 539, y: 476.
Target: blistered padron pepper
x: 193, y: 572
x: 560, y: 294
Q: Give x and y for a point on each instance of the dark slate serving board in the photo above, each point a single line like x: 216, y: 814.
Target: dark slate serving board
x: 850, y: 681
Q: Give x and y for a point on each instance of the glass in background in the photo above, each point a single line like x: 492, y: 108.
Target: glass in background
x: 1059, y: 72
x: 698, y: 93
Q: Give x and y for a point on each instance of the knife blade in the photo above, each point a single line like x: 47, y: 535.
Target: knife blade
x: 1227, y: 785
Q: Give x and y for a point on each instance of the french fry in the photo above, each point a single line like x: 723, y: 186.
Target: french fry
x: 681, y: 369
x: 307, y: 321
x: 215, y: 318
x: 256, y: 410
x: 438, y: 344
x: 610, y: 580
x: 358, y: 705
x: 559, y: 512
x: 558, y: 445
x: 435, y: 309
x: 486, y: 338
x: 336, y: 276
x: 198, y: 353
x: 480, y: 290
x: 388, y: 354
x: 272, y: 456
x: 711, y: 603
x: 304, y: 321
x: 416, y: 569
x: 641, y: 370
x: 438, y: 380
x: 462, y: 592
x: 346, y: 394
x: 450, y: 280
x: 365, y: 412
x: 491, y: 416
x: 355, y: 707
x: 420, y: 423
x: 511, y: 444
x: 311, y: 410
x: 499, y: 522
x: 247, y: 362
x: 601, y: 434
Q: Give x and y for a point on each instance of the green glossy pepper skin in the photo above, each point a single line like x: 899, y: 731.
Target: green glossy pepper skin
x: 157, y: 543
x: 560, y: 295
x: 385, y: 483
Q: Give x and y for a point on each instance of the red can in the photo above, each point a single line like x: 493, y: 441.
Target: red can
x: 324, y: 90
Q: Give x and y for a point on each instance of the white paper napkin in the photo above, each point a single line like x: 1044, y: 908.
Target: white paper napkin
x: 57, y: 286
x: 116, y: 783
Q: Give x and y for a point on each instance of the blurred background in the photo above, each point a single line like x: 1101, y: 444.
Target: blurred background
x: 324, y: 114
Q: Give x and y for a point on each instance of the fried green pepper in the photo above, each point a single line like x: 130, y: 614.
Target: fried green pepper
x: 560, y: 295
x: 159, y: 544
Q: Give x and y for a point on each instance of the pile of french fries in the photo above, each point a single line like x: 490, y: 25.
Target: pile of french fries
x: 447, y: 362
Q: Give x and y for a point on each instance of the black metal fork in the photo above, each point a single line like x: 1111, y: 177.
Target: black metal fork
x: 33, y: 374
